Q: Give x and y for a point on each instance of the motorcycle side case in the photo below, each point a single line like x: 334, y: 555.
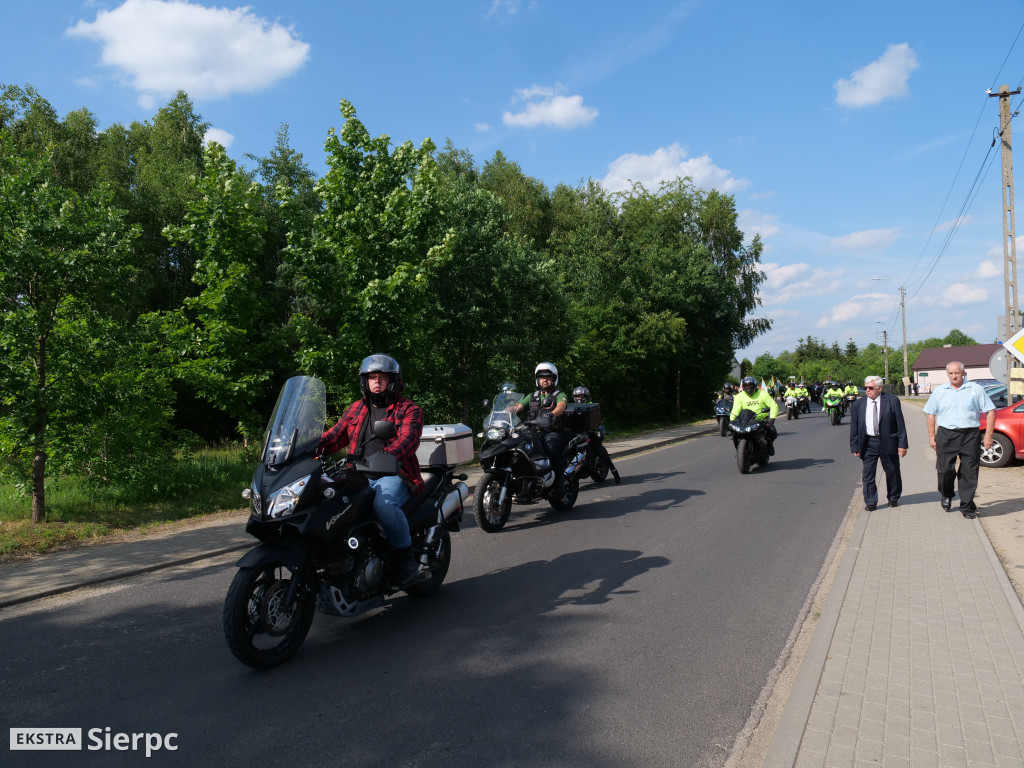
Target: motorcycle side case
x: 582, y: 417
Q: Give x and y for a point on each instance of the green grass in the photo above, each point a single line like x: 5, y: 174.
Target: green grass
x: 199, y: 483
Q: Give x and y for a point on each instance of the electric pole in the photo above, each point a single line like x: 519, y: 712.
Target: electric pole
x: 903, y: 312
x: 1009, y: 227
x: 885, y: 349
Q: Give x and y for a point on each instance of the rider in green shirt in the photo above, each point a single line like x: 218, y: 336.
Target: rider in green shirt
x: 756, y: 400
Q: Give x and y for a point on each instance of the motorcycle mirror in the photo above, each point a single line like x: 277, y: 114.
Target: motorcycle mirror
x: 384, y: 430
x: 487, y: 403
x: 549, y: 402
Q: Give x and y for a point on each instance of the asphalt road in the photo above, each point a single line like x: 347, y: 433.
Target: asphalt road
x: 637, y: 629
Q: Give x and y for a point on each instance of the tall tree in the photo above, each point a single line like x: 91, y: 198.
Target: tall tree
x: 64, y: 262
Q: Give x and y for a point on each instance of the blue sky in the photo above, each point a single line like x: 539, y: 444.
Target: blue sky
x: 855, y: 138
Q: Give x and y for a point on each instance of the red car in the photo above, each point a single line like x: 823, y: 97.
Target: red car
x: 1008, y: 439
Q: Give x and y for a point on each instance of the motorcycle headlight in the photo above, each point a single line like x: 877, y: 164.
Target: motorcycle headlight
x: 496, y: 434
x: 282, y: 502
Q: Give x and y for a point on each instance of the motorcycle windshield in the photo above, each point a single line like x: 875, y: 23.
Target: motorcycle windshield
x: 499, y: 415
x: 298, y: 420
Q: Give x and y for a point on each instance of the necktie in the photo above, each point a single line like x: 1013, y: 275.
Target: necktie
x: 874, y: 415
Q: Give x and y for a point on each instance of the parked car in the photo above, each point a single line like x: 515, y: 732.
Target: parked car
x: 1008, y: 438
x: 997, y: 393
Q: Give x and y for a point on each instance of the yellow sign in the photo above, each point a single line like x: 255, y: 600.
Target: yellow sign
x: 1015, y: 345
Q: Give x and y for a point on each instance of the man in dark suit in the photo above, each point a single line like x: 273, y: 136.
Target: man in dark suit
x: 878, y: 432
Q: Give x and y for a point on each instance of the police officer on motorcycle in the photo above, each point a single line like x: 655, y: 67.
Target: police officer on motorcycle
x: 756, y: 400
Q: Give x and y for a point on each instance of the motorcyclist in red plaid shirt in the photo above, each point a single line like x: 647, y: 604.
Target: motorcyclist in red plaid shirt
x: 380, y: 381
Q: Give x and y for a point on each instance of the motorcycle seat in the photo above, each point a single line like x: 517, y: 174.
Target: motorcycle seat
x: 431, y: 480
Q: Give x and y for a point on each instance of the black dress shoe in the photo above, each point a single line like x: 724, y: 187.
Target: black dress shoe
x: 870, y: 507
x: 946, y: 503
x: 968, y: 513
x: 894, y: 503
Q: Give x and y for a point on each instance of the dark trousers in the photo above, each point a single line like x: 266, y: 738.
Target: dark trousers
x: 951, y: 444
x: 891, y: 467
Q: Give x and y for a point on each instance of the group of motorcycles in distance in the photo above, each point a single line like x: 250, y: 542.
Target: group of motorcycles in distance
x: 322, y: 550
x: 750, y: 433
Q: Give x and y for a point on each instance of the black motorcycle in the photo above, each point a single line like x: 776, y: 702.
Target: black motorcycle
x: 750, y: 437
x: 321, y: 548
x: 517, y: 468
x: 722, y: 410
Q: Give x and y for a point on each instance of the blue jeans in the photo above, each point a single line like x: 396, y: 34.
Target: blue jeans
x: 392, y: 492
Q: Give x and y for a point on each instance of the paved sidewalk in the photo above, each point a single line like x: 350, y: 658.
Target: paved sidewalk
x: 51, y: 574
x: 918, y: 656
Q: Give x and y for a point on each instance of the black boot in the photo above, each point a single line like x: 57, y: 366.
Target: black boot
x: 407, y: 570
x: 615, y: 474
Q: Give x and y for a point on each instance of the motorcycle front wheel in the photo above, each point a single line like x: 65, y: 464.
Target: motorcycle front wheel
x: 438, y: 566
x: 723, y: 428
x: 742, y: 459
x: 600, y: 473
x: 489, y: 515
x: 261, y: 631
x: 563, y: 498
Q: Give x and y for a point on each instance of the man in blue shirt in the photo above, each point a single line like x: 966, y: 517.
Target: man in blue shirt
x: 953, y: 412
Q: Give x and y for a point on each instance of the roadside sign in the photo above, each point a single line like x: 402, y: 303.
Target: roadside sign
x: 1015, y: 345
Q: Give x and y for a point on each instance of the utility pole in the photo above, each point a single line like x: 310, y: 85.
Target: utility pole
x: 903, y: 311
x: 1009, y: 227
x: 885, y: 349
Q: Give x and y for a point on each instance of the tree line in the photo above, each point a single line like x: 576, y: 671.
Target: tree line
x: 814, y: 360
x: 156, y: 293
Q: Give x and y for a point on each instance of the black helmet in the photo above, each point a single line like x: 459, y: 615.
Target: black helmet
x: 749, y: 384
x: 379, y: 363
x: 581, y: 395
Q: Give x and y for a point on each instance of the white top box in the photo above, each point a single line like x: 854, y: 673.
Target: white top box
x: 445, y: 445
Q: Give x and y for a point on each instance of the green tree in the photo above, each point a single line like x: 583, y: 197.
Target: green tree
x: 64, y: 263
x: 228, y: 335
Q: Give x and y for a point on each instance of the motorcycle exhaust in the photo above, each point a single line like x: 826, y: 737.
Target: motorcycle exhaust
x: 453, y: 501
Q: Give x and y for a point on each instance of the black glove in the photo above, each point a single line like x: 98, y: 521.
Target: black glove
x: 770, y: 421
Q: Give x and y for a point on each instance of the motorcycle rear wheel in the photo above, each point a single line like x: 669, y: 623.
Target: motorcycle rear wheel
x: 562, y: 499
x: 262, y: 633
x: 438, y: 568
x: 742, y: 460
x: 486, y: 510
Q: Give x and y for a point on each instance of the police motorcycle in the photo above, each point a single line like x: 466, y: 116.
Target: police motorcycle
x: 321, y: 549
x: 833, y: 404
x: 516, y: 467
x: 792, y: 407
x: 804, y: 404
x: 750, y: 437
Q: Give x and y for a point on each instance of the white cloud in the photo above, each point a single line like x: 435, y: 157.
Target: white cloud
x: 503, y: 7
x: 866, y: 306
x: 483, y: 127
x: 161, y: 46
x: 867, y: 240
x: 755, y: 223
x: 960, y: 221
x: 884, y: 78
x: 989, y: 269
x: 222, y: 137
x: 548, y: 106
x: 962, y: 294
x: 797, y: 281
x: 665, y: 164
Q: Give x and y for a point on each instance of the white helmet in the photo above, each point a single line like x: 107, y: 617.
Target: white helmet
x: 548, y: 368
